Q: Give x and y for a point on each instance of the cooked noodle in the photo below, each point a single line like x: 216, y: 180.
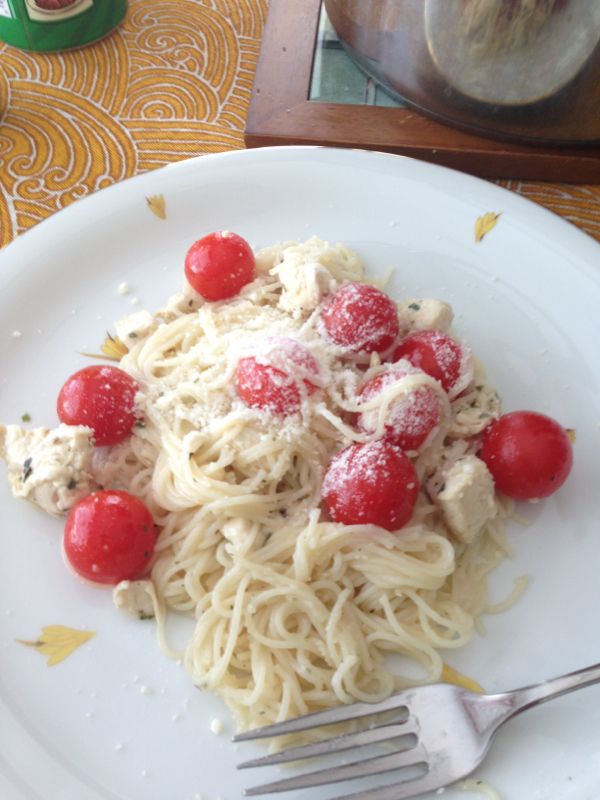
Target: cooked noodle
x: 292, y: 613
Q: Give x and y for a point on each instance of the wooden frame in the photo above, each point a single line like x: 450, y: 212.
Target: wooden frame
x: 281, y: 113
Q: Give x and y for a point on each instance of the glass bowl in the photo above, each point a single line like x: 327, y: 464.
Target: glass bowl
x: 517, y: 69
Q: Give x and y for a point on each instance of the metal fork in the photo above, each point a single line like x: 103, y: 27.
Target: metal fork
x: 445, y: 731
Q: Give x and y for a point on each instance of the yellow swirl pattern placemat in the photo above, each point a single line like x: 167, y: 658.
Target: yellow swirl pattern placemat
x: 576, y: 203
x: 173, y: 81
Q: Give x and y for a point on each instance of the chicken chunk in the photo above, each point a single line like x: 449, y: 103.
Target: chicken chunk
x: 135, y: 326
x: 425, y: 315
x: 49, y: 468
x: 136, y: 598
x: 115, y: 467
x: 304, y: 285
x: 309, y: 271
x: 466, y: 498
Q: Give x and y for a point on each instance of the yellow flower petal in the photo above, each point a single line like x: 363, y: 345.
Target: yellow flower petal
x: 486, y: 223
x: 157, y: 205
x: 112, y: 348
x: 57, y: 642
x: 450, y: 675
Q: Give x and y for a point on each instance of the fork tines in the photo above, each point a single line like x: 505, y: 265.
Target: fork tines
x: 330, y: 716
x: 400, y: 736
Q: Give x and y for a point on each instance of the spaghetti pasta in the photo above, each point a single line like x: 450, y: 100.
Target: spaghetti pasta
x: 292, y: 612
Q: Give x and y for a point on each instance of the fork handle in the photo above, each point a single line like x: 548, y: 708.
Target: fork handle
x: 508, y: 704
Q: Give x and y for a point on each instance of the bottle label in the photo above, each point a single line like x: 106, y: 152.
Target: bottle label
x: 55, y: 10
x: 49, y: 25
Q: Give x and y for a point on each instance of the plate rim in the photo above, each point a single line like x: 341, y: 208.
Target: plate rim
x: 580, y: 239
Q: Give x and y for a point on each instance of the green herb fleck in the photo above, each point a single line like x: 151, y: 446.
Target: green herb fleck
x: 484, y: 415
x: 27, y: 469
x: 415, y: 307
x: 26, y: 417
x: 479, y: 388
x: 144, y: 615
x: 132, y: 335
x: 139, y: 423
x: 72, y: 484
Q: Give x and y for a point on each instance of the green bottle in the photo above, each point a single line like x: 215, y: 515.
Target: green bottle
x: 46, y: 25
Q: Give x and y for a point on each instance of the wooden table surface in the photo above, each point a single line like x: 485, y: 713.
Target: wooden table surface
x: 174, y: 81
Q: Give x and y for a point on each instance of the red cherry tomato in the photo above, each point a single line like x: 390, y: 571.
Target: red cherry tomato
x: 371, y: 484
x: 219, y: 265
x: 360, y: 318
x: 435, y: 353
x: 109, y: 537
x: 409, y: 419
x: 102, y: 398
x: 271, y: 381
x: 529, y: 454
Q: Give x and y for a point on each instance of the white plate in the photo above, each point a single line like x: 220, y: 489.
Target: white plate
x: 527, y: 298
